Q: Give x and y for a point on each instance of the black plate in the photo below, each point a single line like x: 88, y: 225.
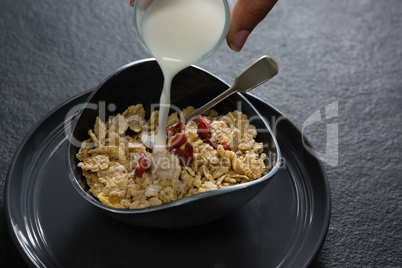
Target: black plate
x: 52, y: 226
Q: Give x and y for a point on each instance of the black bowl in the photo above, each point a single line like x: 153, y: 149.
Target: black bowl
x: 141, y: 82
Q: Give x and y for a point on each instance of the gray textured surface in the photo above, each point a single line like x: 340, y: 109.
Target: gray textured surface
x: 341, y: 51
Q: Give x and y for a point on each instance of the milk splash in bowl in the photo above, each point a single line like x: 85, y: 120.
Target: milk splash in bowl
x: 179, y: 33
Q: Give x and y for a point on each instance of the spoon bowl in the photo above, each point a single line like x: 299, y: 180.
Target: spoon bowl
x: 141, y: 82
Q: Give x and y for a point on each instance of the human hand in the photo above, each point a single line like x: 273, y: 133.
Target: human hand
x: 246, y: 15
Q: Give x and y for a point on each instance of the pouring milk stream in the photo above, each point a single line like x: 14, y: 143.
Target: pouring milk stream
x: 179, y: 33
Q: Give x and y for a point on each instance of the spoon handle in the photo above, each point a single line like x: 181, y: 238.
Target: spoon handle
x: 257, y: 73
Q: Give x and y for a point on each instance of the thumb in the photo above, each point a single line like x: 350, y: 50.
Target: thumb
x: 246, y: 15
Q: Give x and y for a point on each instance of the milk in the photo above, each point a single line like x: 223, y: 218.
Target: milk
x: 179, y: 33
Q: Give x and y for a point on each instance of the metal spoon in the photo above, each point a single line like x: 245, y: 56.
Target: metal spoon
x: 257, y: 73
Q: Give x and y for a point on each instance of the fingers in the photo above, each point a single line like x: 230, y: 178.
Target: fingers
x: 246, y: 15
x: 132, y: 2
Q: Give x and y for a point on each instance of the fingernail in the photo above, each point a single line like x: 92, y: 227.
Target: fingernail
x: 239, y: 40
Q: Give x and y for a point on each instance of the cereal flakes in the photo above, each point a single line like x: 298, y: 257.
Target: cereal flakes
x: 109, y: 159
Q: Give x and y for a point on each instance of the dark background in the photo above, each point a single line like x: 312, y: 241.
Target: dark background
x: 341, y: 51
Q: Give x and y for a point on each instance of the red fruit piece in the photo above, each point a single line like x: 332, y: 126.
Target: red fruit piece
x: 185, y: 156
x: 178, y: 141
x: 143, y: 164
x: 203, y: 129
x: 213, y: 144
x: 178, y: 128
x: 204, y: 132
x: 226, y: 146
x: 188, y: 153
